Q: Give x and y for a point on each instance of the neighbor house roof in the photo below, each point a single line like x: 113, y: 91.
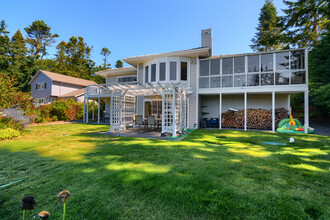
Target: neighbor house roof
x: 117, y: 72
x: 75, y: 93
x: 200, y: 51
x: 64, y: 79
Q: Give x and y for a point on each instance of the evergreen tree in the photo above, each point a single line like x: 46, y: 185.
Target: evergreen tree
x: 39, y: 38
x: 269, y: 31
x: 73, y: 58
x: 305, y: 21
x: 119, y: 64
x: 4, y: 47
x: 105, y: 52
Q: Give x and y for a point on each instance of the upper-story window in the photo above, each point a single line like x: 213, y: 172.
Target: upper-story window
x: 126, y: 79
x: 41, y: 86
x: 167, y: 69
x: 273, y: 68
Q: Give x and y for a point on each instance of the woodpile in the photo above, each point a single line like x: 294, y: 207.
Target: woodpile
x: 256, y: 118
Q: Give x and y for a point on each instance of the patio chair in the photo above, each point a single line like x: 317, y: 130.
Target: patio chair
x: 151, y: 121
x: 139, y: 121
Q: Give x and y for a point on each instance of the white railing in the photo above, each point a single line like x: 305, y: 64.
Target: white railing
x: 103, y: 89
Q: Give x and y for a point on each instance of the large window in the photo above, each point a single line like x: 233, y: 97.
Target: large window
x: 215, y: 67
x: 126, y: 79
x: 227, y: 66
x: 162, y: 71
x: 184, y: 71
x: 172, y: 70
x: 146, y: 74
x: 265, y: 69
x: 153, y: 72
x: 41, y: 86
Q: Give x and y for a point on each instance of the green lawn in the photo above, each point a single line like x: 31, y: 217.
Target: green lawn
x: 210, y: 174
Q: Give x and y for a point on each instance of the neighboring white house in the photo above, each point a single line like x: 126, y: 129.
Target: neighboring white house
x: 48, y: 86
x: 181, y: 86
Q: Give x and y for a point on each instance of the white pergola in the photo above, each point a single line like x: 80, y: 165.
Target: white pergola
x: 123, y: 99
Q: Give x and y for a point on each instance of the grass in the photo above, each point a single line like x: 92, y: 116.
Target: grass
x: 210, y: 174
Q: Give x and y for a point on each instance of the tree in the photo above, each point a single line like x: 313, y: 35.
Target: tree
x: 4, y: 46
x: 7, y: 91
x: 305, y: 21
x: 39, y: 38
x: 319, y: 62
x: 119, y: 64
x: 3, y: 27
x: 105, y: 52
x: 269, y: 32
x: 73, y: 58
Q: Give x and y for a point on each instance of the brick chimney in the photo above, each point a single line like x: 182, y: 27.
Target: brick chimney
x: 207, y: 39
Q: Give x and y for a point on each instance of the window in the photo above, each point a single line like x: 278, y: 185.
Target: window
x: 282, y: 78
x: 172, y: 70
x: 41, y: 86
x: 227, y: 66
x: 267, y: 79
x: 253, y: 79
x: 227, y: 81
x: 215, y: 67
x: 239, y: 81
x: 297, y: 60
x: 282, y: 61
x: 153, y: 72
x: 215, y: 82
x: 298, y: 77
x: 204, y: 68
x: 253, y: 64
x: 239, y: 64
x: 126, y: 79
x: 146, y: 74
x: 184, y: 71
x: 162, y: 71
x: 204, y: 82
x: 266, y: 62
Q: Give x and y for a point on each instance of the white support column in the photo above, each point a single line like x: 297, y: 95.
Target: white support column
x: 289, y: 102
x: 245, y: 114
x: 306, y: 112
x: 163, y: 115
x: 220, y: 110
x: 93, y: 109
x: 173, y: 113
x: 273, y: 111
x: 111, y: 112
x: 120, y: 115
x: 84, y: 112
x: 87, y: 111
x: 98, y: 110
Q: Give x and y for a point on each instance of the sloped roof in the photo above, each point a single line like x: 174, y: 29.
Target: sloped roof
x: 117, y: 72
x: 74, y: 93
x: 65, y: 79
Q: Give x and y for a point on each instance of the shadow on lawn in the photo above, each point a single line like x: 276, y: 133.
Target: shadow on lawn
x: 209, y: 174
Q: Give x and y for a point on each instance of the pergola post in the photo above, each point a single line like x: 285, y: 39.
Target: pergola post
x: 273, y: 111
x: 163, y: 115
x: 245, y: 114
x: 111, y: 112
x: 93, y: 109
x: 306, y: 111
x: 87, y: 111
x: 120, y: 116
x: 173, y: 114
x: 220, y: 109
x: 98, y: 110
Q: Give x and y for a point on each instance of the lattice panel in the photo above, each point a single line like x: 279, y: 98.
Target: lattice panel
x: 168, y: 111
x: 116, y: 110
x: 129, y: 110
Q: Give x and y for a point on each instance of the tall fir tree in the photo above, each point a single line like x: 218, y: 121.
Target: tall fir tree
x: 5, y: 46
x: 305, y: 21
x: 269, y: 31
x: 39, y: 38
x: 119, y: 64
x: 105, y: 52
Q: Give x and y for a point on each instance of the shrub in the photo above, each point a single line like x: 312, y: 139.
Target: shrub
x: 8, y: 133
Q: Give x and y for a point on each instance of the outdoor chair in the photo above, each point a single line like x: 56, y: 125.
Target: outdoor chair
x: 139, y: 121
x: 151, y: 120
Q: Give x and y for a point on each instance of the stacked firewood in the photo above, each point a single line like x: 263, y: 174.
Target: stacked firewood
x: 256, y: 118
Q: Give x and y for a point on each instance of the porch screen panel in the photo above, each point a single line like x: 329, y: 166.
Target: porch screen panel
x: 168, y: 111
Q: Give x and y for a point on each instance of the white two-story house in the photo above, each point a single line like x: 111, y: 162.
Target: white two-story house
x: 184, y: 87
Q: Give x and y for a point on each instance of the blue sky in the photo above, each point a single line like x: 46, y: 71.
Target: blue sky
x: 131, y: 28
